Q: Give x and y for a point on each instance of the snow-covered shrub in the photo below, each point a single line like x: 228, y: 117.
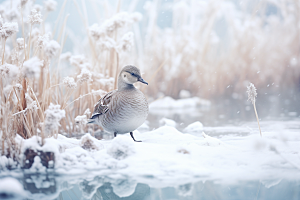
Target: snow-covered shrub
x: 121, y: 147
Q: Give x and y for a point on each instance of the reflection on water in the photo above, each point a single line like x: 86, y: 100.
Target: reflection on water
x: 104, y: 188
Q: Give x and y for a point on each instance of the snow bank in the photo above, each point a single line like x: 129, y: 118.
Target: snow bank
x: 196, y: 127
x: 172, y: 156
x: 170, y: 103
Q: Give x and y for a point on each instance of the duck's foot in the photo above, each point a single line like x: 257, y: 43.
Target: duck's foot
x: 115, y: 134
x: 131, y: 134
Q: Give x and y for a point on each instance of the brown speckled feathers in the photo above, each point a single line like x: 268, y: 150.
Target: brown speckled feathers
x: 102, y: 106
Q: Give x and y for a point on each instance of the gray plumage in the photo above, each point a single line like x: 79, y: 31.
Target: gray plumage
x: 125, y: 109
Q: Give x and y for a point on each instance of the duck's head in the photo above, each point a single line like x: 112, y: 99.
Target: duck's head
x: 131, y: 74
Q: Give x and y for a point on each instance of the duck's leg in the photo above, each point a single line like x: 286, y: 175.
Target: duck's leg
x: 131, y: 134
x: 115, y: 134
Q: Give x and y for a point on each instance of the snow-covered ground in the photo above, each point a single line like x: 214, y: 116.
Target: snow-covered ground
x: 168, y: 157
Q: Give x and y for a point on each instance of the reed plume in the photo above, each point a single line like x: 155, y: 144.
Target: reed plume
x: 252, y: 94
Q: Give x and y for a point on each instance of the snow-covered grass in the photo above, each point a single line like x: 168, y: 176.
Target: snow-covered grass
x: 35, y: 98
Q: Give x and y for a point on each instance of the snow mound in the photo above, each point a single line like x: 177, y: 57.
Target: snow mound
x: 170, y: 103
x: 37, y: 166
x: 121, y: 147
x: 212, y: 141
x: 90, y: 143
x: 167, y: 122
x: 11, y: 188
x: 196, y: 127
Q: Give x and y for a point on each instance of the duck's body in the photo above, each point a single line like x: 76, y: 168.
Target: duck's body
x: 125, y: 109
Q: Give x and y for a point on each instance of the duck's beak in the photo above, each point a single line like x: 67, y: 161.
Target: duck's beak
x: 140, y: 79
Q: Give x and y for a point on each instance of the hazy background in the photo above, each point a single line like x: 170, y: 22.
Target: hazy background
x: 212, y: 49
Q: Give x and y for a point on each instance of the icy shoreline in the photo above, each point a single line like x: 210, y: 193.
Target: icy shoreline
x: 168, y: 157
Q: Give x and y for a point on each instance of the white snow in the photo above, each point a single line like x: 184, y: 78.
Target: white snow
x: 196, y: 127
x: 12, y: 188
x: 167, y: 156
x: 32, y: 67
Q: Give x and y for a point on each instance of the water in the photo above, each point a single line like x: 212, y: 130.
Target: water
x: 107, y: 188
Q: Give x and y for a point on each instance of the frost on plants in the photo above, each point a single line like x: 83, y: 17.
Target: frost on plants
x: 53, y: 116
x: 251, y: 91
x: 8, y: 29
x: 42, y: 41
x: 35, y: 17
x: 51, y: 49
x: 79, y: 61
x: 20, y: 42
x: 32, y: 67
x: 126, y: 42
x: 50, y: 5
x: 69, y: 82
x: 84, y: 76
x: 9, y: 71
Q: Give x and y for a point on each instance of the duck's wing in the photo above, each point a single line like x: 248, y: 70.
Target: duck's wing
x: 102, y: 106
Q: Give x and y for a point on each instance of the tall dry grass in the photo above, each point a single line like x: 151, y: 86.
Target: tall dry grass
x: 214, y: 48
x: 35, y: 98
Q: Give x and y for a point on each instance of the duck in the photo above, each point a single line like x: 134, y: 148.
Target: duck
x: 122, y: 110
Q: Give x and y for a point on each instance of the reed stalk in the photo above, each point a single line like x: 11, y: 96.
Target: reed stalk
x: 251, y: 90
